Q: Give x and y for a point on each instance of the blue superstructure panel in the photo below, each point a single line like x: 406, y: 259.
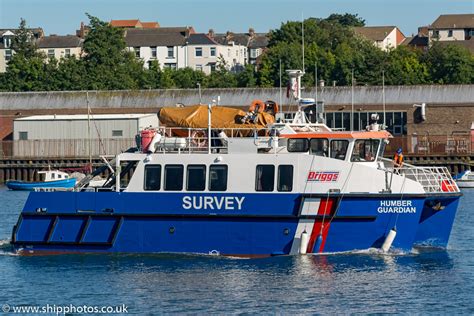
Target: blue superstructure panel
x: 100, y: 230
x: 34, y: 228
x: 68, y: 229
x: 52, y: 202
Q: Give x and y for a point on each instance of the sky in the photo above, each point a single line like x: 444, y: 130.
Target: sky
x: 64, y: 17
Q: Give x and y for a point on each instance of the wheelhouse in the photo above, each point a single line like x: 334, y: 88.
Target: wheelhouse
x: 347, y: 146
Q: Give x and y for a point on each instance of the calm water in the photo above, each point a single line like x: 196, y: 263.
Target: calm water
x: 432, y: 281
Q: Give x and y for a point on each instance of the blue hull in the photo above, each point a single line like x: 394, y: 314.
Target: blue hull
x: 226, y: 224
x: 436, y: 221
x: 31, y: 186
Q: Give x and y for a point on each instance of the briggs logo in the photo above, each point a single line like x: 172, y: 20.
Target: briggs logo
x: 323, y: 176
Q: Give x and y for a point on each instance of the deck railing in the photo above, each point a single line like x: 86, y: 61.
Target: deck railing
x: 428, y: 145
x: 433, y: 179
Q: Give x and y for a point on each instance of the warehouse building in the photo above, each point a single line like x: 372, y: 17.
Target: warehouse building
x: 72, y: 135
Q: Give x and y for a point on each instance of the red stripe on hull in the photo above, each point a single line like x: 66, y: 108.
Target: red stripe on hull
x: 326, y: 209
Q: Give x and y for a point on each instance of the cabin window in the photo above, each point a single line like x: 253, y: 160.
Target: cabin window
x: 53, y: 176
x: 285, y: 178
x: 298, y: 145
x: 319, y: 147
x: 174, y: 177
x: 339, y: 149
x: 59, y: 176
x: 152, y: 177
x: 196, y: 178
x: 265, y: 178
x: 217, y: 178
x: 365, y: 150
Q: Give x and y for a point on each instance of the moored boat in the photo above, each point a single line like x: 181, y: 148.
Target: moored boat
x: 465, y: 179
x: 53, y: 179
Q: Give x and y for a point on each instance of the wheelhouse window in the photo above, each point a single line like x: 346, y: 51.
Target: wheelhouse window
x: 319, y: 147
x: 339, y: 149
x: 174, y: 177
x: 298, y: 145
x: 265, y: 178
x: 285, y: 178
x: 365, y: 150
x: 217, y: 178
x: 196, y: 178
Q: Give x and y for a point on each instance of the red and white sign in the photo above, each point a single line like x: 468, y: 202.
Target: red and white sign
x: 323, y: 176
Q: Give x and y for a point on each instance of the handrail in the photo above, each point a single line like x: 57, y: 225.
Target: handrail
x: 433, y: 179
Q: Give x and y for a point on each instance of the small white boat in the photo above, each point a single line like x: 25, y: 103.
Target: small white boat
x: 465, y: 179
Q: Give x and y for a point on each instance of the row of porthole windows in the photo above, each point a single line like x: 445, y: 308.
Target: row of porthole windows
x: 173, y: 177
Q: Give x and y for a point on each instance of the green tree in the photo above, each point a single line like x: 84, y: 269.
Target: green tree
x: 26, y: 68
x: 346, y: 19
x: 449, y: 64
x: 221, y: 78
x: 404, y: 67
x: 23, y: 43
x: 247, y: 78
x: 108, y: 64
x: 187, y: 78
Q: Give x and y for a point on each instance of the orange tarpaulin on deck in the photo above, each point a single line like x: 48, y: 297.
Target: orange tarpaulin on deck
x: 222, y: 117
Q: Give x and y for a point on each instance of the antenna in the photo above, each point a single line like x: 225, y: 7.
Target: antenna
x: 302, y: 37
x: 316, y: 81
x: 89, y: 130
x: 383, y: 97
x: 352, y: 100
x: 281, y: 105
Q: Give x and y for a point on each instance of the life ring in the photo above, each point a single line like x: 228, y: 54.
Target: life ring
x: 271, y: 106
x: 257, y: 106
x: 199, y: 138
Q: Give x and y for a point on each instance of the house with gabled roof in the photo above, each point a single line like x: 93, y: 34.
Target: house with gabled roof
x: 60, y: 46
x: 6, y: 38
x: 453, y: 28
x: 255, y: 43
x: 204, y: 52
x: 384, y: 37
x: 166, y: 45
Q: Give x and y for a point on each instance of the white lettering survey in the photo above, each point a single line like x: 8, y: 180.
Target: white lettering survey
x: 213, y: 202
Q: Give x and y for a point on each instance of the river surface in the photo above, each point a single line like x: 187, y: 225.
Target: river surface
x: 430, y: 281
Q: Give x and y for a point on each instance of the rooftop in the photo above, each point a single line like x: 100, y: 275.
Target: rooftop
x: 459, y: 21
x: 56, y: 41
x: 374, y: 33
x: 81, y: 117
x: 200, y: 39
x: 172, y: 36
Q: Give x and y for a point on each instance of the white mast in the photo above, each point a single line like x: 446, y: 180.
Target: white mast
x: 89, y: 131
x: 352, y: 100
x: 383, y: 97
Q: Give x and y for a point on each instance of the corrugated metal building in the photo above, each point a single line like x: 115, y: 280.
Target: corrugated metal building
x: 68, y: 135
